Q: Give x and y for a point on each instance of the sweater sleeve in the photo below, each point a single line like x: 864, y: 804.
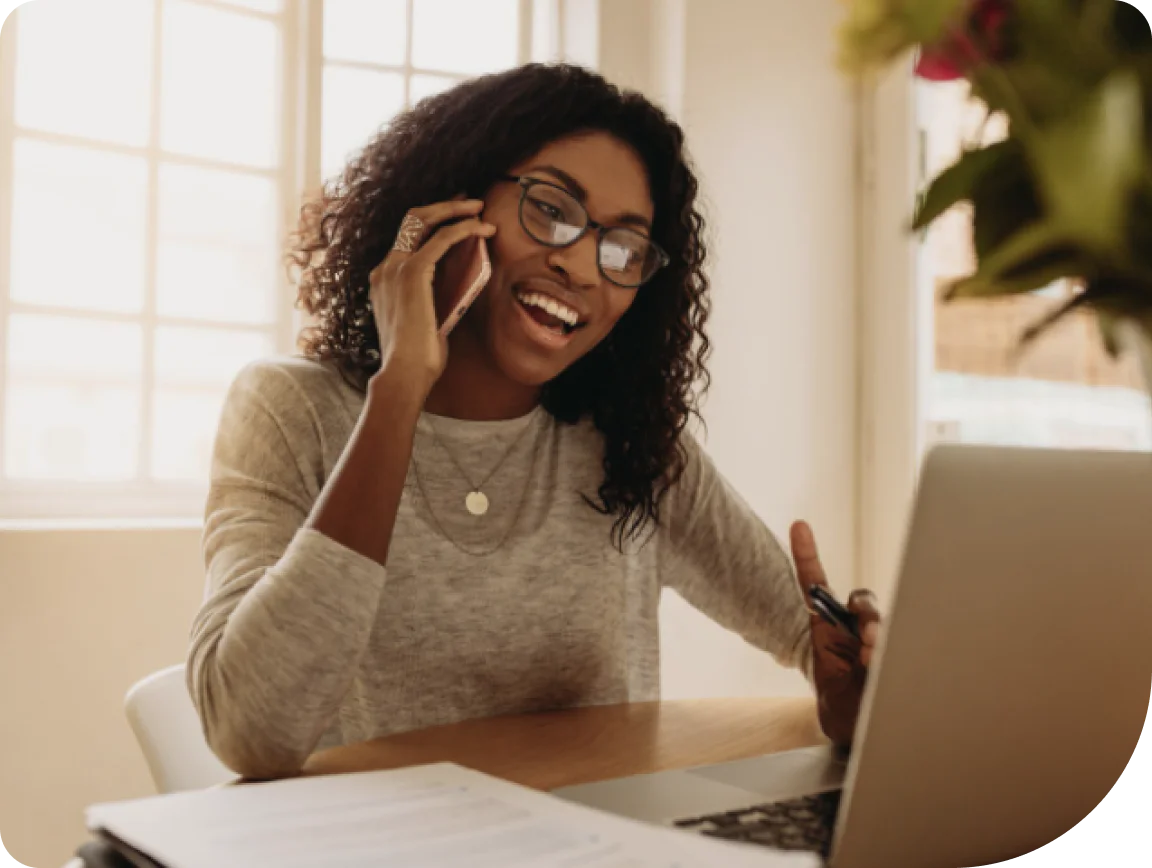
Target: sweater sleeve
x: 721, y: 558
x: 288, y: 612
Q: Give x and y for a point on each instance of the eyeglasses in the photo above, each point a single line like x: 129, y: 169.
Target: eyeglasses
x: 556, y: 218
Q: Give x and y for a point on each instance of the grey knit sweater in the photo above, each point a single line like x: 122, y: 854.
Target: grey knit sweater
x: 303, y: 644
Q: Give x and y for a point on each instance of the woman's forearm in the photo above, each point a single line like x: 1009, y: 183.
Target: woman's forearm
x: 358, y: 505
x: 276, y: 646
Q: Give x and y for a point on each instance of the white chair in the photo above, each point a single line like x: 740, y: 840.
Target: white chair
x: 166, y: 725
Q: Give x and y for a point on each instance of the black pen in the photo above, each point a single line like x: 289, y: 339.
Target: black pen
x: 832, y: 611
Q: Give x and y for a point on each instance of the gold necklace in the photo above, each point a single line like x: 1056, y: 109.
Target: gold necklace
x: 519, y: 507
x: 476, y: 501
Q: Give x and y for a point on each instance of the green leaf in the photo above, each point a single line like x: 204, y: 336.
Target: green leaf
x: 1096, y: 18
x: 1139, y: 229
x: 1004, y: 201
x: 1059, y: 33
x: 976, y: 286
x: 927, y: 20
x: 1125, y: 294
x: 1058, y: 52
x: 1024, y: 246
x: 956, y: 183
x: 1089, y: 163
x: 1030, y: 260
x: 1130, y: 28
x: 1045, y: 90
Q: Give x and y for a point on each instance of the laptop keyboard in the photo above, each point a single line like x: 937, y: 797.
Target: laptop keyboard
x: 796, y: 824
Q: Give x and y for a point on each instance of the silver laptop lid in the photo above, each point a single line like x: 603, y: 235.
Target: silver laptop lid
x: 1013, y: 678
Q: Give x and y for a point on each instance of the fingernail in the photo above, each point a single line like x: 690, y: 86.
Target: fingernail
x: 871, y: 633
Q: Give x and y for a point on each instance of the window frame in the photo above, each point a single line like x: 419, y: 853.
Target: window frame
x: 299, y: 175
x: 892, y: 324
x: 139, y: 498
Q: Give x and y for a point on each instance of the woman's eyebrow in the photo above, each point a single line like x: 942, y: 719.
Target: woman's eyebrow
x: 577, y: 189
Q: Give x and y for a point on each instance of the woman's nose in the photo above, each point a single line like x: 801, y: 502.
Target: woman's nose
x: 580, y: 261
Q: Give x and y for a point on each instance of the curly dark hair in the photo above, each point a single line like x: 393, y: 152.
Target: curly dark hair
x: 643, y: 381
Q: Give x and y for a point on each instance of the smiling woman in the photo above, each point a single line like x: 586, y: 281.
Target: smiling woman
x: 406, y: 529
x: 653, y: 361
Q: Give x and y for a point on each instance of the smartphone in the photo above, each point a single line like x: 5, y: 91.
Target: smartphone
x: 463, y: 273
x: 832, y: 611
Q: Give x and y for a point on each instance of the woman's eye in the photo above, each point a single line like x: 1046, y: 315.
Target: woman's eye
x: 549, y: 211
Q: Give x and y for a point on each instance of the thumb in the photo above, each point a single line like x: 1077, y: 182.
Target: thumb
x: 809, y: 570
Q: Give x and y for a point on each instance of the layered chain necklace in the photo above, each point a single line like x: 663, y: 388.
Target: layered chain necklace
x: 476, y: 501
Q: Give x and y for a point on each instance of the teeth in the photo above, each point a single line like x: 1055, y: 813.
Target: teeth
x: 560, y: 311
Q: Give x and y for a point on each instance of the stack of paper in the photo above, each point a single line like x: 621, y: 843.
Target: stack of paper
x: 430, y: 816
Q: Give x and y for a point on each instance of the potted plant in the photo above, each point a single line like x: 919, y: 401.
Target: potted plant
x: 1068, y: 192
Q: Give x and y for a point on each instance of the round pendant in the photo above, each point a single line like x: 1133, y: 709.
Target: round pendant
x: 476, y: 502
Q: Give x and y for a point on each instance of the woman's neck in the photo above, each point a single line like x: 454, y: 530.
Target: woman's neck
x: 471, y: 387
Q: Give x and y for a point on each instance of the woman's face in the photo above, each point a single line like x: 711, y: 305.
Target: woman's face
x: 510, y: 316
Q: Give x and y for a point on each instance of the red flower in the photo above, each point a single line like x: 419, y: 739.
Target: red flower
x: 981, y: 38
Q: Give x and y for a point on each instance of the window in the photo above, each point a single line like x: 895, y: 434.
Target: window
x: 388, y: 54
x: 1063, y: 392
x: 149, y: 157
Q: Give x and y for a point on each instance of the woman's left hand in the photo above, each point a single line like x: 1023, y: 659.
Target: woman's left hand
x: 840, y: 661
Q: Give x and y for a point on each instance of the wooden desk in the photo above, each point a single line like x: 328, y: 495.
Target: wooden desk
x: 577, y: 746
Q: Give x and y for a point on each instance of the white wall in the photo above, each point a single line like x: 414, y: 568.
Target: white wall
x: 83, y: 614
x: 771, y: 125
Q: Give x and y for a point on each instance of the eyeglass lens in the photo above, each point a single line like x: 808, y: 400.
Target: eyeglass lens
x: 554, y: 217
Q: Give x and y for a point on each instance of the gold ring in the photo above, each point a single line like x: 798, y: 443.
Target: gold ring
x: 410, y: 234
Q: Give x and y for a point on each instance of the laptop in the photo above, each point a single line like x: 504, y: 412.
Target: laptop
x: 1008, y: 691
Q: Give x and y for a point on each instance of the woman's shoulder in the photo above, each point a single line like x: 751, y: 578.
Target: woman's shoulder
x: 302, y: 397
x: 295, y: 377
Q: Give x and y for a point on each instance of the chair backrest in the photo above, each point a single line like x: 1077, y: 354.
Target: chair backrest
x: 166, y: 725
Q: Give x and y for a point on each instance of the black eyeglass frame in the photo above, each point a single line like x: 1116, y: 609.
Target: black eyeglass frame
x: 526, y: 182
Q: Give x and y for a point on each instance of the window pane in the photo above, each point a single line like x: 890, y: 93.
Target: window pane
x: 85, y: 69
x: 469, y: 36
x: 370, y: 31
x: 70, y: 432
x: 72, y: 349
x: 220, y: 85
x: 426, y: 85
x: 357, y: 103
x: 194, y: 368
x: 78, y: 227
x: 72, y: 399
x: 205, y: 357
x: 218, y: 254
x: 1064, y: 391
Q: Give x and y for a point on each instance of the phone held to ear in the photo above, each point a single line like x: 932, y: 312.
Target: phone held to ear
x: 466, y: 270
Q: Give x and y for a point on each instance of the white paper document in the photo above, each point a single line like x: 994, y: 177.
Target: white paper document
x: 432, y: 816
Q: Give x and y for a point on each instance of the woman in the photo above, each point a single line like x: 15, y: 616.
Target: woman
x: 405, y: 531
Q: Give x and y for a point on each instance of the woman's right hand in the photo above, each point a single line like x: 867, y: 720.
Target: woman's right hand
x: 402, y: 295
